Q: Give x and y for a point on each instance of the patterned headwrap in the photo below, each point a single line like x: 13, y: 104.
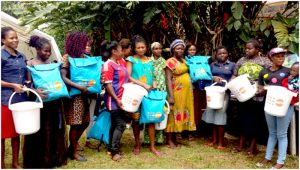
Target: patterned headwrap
x: 154, y: 44
x: 176, y: 43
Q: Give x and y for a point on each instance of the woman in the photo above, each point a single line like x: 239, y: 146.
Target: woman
x: 13, y: 76
x: 222, y: 69
x: 116, y: 75
x: 50, y: 139
x: 77, y: 108
x: 160, y: 79
x: 250, y: 111
x: 180, y: 93
x: 277, y: 126
x: 141, y: 72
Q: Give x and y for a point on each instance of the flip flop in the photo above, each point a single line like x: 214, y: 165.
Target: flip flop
x: 221, y: 148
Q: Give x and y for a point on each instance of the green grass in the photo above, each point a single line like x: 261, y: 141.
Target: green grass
x: 192, y: 154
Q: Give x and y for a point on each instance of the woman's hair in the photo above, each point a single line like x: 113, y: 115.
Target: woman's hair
x: 75, y: 43
x: 188, y: 45
x: 221, y: 47
x: 109, y: 47
x: 4, y: 31
x: 256, y: 43
x: 136, y: 39
x: 295, y: 63
x: 125, y: 43
x: 38, y: 42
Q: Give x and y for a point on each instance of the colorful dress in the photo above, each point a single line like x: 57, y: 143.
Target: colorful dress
x: 160, y: 79
x: 181, y: 116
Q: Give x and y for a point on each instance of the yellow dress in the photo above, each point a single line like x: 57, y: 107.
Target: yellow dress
x: 181, y: 116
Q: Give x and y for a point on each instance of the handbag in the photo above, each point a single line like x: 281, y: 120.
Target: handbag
x: 100, y: 129
x: 86, y: 72
x: 47, y: 78
x: 152, y: 109
x: 199, y: 68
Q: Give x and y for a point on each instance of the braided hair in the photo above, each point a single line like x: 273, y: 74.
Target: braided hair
x: 136, y: 39
x: 75, y: 44
x: 38, y: 42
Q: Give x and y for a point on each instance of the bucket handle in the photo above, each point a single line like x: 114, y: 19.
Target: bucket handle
x: 168, y: 105
x: 218, y: 82
x: 26, y: 89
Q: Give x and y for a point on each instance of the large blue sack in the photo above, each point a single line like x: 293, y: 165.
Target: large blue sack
x: 152, y: 107
x: 199, y: 68
x: 101, y: 127
x: 86, y: 72
x: 47, y: 78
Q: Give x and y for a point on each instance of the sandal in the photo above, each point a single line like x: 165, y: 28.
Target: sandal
x: 262, y: 163
x: 250, y: 154
x: 211, y: 144
x: 116, y: 157
x: 156, y: 153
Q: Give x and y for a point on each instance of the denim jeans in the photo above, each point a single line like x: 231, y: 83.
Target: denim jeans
x: 278, y: 127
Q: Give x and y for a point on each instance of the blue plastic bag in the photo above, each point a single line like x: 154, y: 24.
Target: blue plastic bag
x: 152, y: 108
x: 101, y: 127
x: 199, y: 68
x: 47, y: 78
x: 86, y: 72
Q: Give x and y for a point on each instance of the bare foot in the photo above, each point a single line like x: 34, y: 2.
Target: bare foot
x: 220, y: 147
x: 211, y: 144
x: 155, y: 152
x: 15, y: 166
x: 136, y: 150
x: 117, y: 157
x: 171, y: 145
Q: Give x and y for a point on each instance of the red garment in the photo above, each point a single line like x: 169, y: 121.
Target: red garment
x: 284, y: 83
x: 7, y: 123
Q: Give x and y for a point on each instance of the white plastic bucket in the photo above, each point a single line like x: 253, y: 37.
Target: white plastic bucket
x: 163, y: 124
x: 215, y: 95
x: 26, y: 115
x: 132, y: 97
x: 242, y: 88
x: 278, y: 100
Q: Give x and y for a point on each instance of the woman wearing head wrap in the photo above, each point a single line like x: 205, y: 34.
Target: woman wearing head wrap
x: 160, y: 79
x: 180, y: 93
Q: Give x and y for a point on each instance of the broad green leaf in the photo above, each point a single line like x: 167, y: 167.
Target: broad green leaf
x: 229, y: 26
x: 243, y: 36
x: 263, y: 26
x: 150, y: 13
x: 267, y: 33
x: 237, y: 10
x: 237, y: 24
x: 195, y: 23
x: 87, y: 17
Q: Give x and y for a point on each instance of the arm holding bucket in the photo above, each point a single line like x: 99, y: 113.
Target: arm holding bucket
x: 109, y: 89
x: 17, y: 87
x: 129, y: 69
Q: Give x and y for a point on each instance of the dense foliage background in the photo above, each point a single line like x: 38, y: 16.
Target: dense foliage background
x: 207, y: 24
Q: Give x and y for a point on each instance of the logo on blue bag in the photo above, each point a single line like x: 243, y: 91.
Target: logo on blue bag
x: 55, y: 86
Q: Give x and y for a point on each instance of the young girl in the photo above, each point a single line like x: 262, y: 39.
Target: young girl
x: 180, y: 93
x: 222, y: 69
x: 46, y: 148
x: 250, y: 111
x: 77, y: 108
x: 160, y: 79
x: 13, y: 76
x: 116, y: 75
x: 141, y: 72
x: 277, y: 126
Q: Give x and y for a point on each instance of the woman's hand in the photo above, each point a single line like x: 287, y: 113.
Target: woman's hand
x: 18, y: 88
x: 120, y: 104
x: 147, y: 87
x: 171, y: 100
x: 83, y: 89
x: 41, y: 93
x: 102, y: 80
x: 217, y: 79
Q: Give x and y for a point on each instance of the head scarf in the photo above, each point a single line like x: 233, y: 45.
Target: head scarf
x: 154, y: 44
x: 176, y: 43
